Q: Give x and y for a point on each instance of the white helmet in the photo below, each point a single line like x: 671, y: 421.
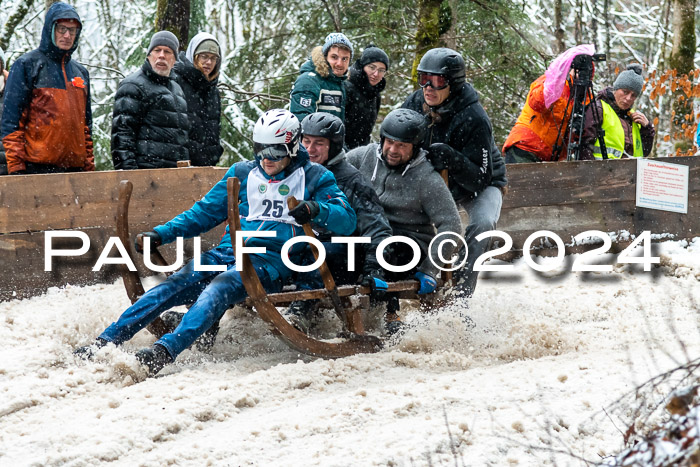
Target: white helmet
x: 276, y: 135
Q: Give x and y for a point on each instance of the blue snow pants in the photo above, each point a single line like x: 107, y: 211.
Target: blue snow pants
x: 210, y: 292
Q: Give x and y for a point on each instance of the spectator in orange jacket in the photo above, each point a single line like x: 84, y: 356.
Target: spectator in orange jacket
x: 47, y: 119
x: 539, y: 129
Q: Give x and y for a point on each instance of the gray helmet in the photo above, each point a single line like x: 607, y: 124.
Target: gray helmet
x: 407, y: 126
x: 327, y: 126
x: 446, y: 62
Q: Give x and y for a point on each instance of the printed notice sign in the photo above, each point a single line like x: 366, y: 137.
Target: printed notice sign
x: 663, y: 186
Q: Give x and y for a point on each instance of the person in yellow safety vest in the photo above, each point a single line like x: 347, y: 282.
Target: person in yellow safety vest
x: 628, y: 132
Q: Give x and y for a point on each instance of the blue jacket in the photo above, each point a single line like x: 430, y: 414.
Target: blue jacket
x: 336, y: 213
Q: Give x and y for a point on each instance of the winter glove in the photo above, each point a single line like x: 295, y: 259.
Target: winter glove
x: 375, y: 281
x: 427, y: 283
x: 442, y: 156
x: 305, y: 212
x: 155, y: 240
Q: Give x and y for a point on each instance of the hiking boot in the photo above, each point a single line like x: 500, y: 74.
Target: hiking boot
x: 299, y: 314
x: 393, y: 324
x: 206, y: 341
x: 87, y: 352
x: 154, y: 358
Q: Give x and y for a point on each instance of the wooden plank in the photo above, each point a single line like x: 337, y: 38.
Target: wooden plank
x: 567, y: 198
x: 81, y: 200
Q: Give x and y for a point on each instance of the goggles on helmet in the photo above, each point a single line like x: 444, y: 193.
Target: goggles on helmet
x: 436, y: 82
x: 271, y: 152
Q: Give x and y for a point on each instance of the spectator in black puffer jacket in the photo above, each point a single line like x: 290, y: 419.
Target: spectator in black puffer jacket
x: 197, y: 73
x: 3, y: 80
x: 363, y: 95
x: 150, y: 125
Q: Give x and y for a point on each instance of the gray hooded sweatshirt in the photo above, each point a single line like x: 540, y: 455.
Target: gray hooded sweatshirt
x: 415, y: 199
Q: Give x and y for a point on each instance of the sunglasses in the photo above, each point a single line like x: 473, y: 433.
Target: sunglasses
x: 271, y: 152
x: 436, y: 82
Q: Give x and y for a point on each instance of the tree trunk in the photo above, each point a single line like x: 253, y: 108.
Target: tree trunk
x: 434, y: 20
x: 174, y: 16
x: 558, y: 29
x: 13, y: 21
x: 682, y: 56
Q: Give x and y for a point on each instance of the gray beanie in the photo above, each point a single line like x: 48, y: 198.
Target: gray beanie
x: 630, y: 79
x: 164, y: 38
x: 336, y: 38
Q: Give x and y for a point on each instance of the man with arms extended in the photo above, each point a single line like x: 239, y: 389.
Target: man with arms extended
x: 280, y: 169
x: 319, y: 87
x: 47, y: 119
x: 150, y: 125
x: 414, y: 197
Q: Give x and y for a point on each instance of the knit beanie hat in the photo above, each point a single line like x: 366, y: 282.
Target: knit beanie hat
x: 336, y: 38
x: 630, y: 79
x: 164, y: 38
x: 208, y: 46
x: 373, y: 54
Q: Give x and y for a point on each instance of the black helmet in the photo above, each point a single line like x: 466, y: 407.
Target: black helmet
x: 446, y: 62
x: 407, y: 126
x: 327, y: 126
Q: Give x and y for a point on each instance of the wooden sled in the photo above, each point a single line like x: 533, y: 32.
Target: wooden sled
x: 351, y: 302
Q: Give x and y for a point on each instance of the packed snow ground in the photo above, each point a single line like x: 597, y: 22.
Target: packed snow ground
x: 526, y: 386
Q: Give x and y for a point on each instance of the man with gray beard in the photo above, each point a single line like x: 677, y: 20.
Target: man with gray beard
x: 150, y: 125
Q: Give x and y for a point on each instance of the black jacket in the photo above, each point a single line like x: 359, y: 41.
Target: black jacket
x: 361, y: 107
x: 371, y: 221
x: 150, y: 125
x: 462, y: 123
x: 203, y: 113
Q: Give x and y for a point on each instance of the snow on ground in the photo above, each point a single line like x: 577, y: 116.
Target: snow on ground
x: 525, y: 386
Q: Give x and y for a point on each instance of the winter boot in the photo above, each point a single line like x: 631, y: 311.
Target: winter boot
x: 393, y: 324
x: 154, y: 358
x: 87, y: 352
x: 392, y: 321
x: 299, y: 314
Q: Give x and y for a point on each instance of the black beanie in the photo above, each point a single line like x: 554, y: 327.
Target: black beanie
x: 373, y: 54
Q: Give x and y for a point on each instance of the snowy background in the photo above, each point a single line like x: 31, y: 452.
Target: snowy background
x: 526, y: 386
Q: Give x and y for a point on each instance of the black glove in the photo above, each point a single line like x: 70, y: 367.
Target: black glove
x: 305, y: 212
x: 375, y: 281
x: 155, y: 240
x: 441, y: 155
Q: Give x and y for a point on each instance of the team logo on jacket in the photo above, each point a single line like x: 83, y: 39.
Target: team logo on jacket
x: 283, y: 190
x: 305, y: 102
x: 262, y: 188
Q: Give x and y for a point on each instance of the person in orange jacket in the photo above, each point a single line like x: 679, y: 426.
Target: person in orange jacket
x: 539, y: 128
x: 47, y: 118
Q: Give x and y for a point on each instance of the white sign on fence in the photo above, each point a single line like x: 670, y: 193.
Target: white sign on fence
x: 663, y: 186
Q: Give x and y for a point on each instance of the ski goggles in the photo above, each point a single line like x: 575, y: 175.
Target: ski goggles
x: 436, y: 82
x: 271, y: 152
